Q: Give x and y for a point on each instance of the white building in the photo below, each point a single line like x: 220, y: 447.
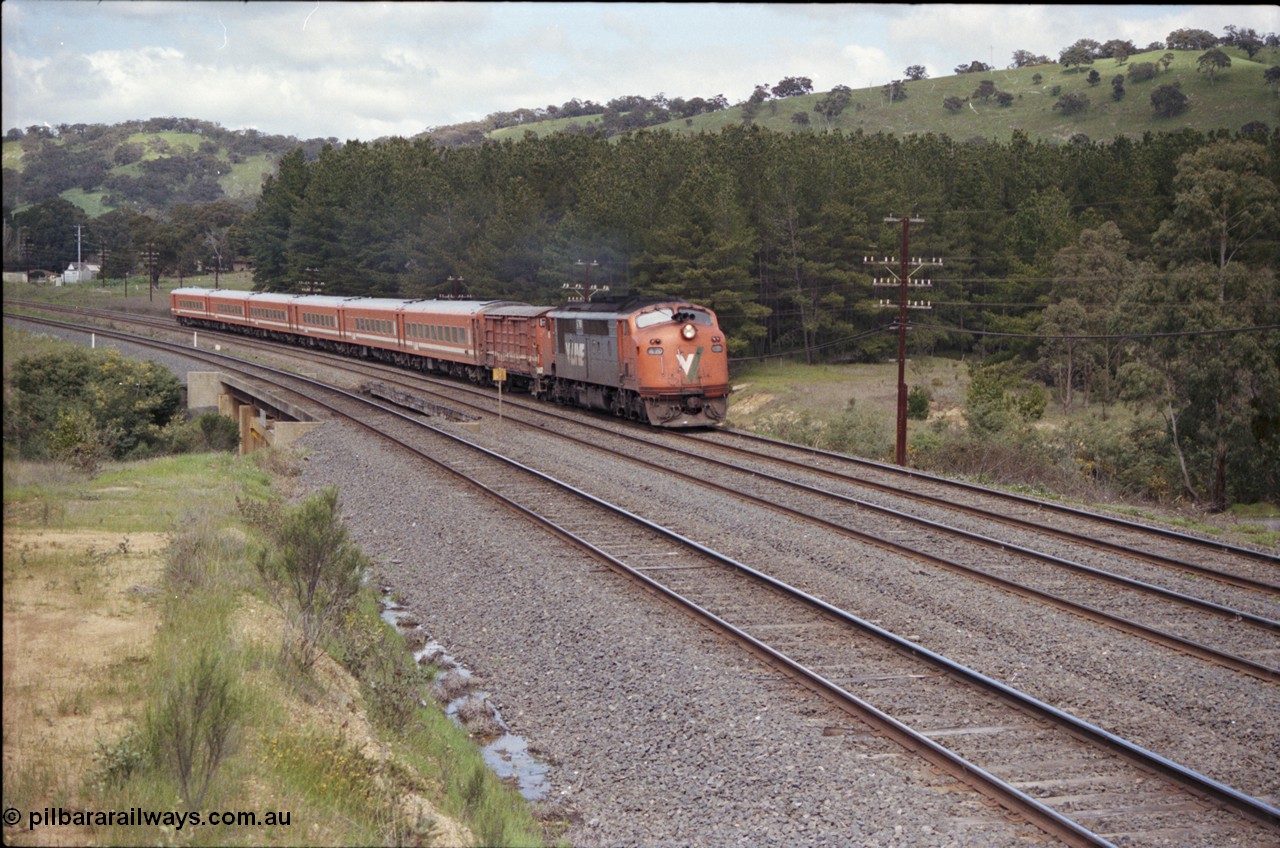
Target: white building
x: 80, y: 272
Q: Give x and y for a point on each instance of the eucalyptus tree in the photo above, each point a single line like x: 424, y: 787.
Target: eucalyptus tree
x: 1094, y: 273
x: 1225, y: 202
x: 1213, y: 373
x: 1214, y: 376
x: 1212, y: 61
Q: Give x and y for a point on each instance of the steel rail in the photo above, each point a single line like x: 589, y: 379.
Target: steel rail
x: 1198, y: 541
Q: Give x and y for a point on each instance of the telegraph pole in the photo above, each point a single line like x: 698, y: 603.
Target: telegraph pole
x: 311, y: 285
x: 151, y: 255
x: 585, y: 287
x: 104, y: 254
x: 902, y: 280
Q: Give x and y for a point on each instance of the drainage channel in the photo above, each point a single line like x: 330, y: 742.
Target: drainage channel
x: 506, y: 753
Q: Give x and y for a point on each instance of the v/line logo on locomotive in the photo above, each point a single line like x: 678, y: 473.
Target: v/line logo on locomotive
x: 689, y: 364
x: 655, y: 360
x: 576, y: 353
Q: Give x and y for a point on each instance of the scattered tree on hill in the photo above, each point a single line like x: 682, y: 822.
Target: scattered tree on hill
x: 895, y: 91
x: 985, y: 90
x: 1258, y: 130
x: 1142, y: 72
x: 792, y: 87
x: 835, y: 101
x: 1246, y: 39
x: 1117, y: 87
x: 1190, y: 39
x: 1078, y: 55
x: 1169, y: 101
x: 1211, y: 62
x: 974, y: 67
x: 1272, y: 75
x: 1118, y: 49
x: 1165, y: 61
x: 954, y: 103
x: 916, y: 72
x: 1072, y: 103
x: 1027, y: 59
x: 1094, y: 77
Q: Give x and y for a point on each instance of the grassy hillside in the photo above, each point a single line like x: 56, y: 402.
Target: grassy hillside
x: 240, y: 176
x: 1237, y: 96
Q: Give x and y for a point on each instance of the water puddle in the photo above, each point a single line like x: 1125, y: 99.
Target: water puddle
x: 504, y: 752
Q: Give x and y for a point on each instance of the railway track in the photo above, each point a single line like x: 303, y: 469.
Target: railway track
x: 993, y: 731
x: 1110, y: 593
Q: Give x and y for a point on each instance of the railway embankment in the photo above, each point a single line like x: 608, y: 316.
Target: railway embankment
x: 147, y: 697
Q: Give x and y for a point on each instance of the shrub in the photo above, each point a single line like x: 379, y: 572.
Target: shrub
x: 918, y: 403
x: 191, y: 730
x: 314, y: 571
x: 858, y: 433
x: 78, y: 440
x: 376, y: 655
x: 210, y: 431
x: 1169, y: 101
x: 127, y: 402
x: 1072, y: 103
x: 1142, y: 72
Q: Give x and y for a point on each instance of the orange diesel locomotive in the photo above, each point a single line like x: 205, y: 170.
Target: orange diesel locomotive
x: 660, y: 361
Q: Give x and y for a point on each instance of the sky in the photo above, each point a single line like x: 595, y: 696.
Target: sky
x: 321, y: 69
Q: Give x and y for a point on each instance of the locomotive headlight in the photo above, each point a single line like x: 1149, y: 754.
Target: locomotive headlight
x: 688, y: 332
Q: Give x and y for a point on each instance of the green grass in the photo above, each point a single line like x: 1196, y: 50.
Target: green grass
x: 137, y: 496
x: 244, y: 179
x: 824, y: 390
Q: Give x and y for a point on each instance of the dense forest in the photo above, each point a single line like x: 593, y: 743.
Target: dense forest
x: 1138, y: 270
